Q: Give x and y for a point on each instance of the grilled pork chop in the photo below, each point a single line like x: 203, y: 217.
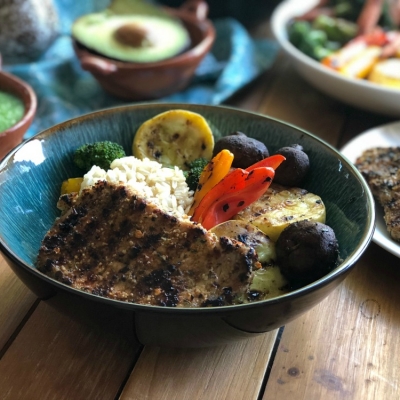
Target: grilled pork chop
x: 381, y: 168
x: 112, y: 243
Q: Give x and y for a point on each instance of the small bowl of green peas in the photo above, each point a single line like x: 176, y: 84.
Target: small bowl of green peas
x: 18, y: 105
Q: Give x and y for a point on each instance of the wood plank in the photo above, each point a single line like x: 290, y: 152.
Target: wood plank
x: 15, y: 299
x: 251, y: 97
x: 293, y: 100
x: 233, y: 371
x: 54, y: 357
x: 348, y: 346
x: 360, y: 121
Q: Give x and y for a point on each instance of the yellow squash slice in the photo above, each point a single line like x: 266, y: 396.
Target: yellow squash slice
x: 175, y: 137
x: 281, y: 206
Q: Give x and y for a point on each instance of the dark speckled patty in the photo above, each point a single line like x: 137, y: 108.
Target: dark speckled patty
x: 380, y: 167
x: 112, y: 243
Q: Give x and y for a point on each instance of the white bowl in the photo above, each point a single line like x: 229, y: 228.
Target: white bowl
x: 356, y: 92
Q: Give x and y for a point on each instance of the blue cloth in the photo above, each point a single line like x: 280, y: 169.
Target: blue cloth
x: 65, y: 91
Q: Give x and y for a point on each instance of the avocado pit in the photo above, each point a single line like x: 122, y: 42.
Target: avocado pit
x: 134, y: 35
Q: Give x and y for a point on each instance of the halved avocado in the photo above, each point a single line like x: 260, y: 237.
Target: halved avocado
x: 132, y: 31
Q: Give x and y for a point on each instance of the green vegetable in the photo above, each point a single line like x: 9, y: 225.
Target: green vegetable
x: 346, y: 9
x: 193, y: 174
x: 101, y: 154
x: 312, y: 42
x: 336, y: 29
x: 298, y: 31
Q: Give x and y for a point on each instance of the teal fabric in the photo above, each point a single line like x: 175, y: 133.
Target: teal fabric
x: 65, y: 91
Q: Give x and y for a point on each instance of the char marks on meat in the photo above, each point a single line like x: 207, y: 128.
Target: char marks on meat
x: 380, y: 167
x: 111, y: 243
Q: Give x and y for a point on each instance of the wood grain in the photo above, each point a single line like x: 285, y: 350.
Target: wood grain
x: 234, y: 371
x: 348, y: 346
x: 358, y: 121
x: 54, y: 357
x: 292, y: 100
x: 15, y: 300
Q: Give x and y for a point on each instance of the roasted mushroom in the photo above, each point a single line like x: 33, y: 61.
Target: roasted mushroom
x: 294, y: 169
x: 306, y: 251
x: 246, y: 150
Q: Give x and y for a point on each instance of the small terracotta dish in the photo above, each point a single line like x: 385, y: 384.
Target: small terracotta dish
x: 13, y: 136
x: 145, y: 81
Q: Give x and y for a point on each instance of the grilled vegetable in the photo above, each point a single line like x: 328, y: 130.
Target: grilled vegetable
x: 295, y: 167
x: 281, y: 206
x: 246, y: 150
x: 306, y: 250
x: 174, y: 138
x: 354, y: 61
x: 271, y: 162
x: 235, y: 192
x: 387, y: 73
x: 212, y: 173
x: 268, y: 282
x: 71, y: 185
x: 250, y: 236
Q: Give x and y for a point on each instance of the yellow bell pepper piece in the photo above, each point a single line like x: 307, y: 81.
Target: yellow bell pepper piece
x: 361, y: 65
x: 386, y: 73
x: 212, y: 173
x: 71, y: 185
x: 346, y: 54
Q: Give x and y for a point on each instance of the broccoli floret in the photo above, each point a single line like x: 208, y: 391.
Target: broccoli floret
x: 101, y: 154
x: 193, y: 174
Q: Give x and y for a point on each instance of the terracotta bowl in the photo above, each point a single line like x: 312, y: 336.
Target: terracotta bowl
x: 136, y: 81
x: 30, y: 179
x: 13, y: 136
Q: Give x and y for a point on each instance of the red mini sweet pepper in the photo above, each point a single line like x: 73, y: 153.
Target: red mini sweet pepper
x: 234, y: 192
x: 273, y: 162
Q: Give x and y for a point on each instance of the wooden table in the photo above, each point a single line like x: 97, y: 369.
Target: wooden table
x: 347, y: 347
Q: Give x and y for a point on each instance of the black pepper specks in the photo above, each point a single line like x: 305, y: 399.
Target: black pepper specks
x: 213, y: 302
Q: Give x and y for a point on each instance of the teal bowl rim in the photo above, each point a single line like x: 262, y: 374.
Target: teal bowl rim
x: 342, y: 269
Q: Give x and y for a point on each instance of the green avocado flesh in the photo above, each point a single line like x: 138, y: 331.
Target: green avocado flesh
x: 146, y: 38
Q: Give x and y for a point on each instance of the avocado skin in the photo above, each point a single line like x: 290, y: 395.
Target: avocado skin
x: 27, y: 29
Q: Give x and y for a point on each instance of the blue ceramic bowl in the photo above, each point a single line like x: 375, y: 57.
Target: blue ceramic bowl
x: 30, y: 179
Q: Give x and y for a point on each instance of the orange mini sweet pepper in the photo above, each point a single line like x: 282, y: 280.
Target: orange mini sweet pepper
x: 212, y: 173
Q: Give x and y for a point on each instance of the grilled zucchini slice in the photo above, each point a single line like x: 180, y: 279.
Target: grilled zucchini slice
x: 251, y: 236
x: 174, y: 138
x: 281, y: 206
x: 269, y: 282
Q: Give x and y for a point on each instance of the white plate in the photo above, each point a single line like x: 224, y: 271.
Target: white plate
x: 382, y: 136
x: 356, y: 92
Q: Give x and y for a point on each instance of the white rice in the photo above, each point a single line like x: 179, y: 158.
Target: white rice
x: 164, y: 187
